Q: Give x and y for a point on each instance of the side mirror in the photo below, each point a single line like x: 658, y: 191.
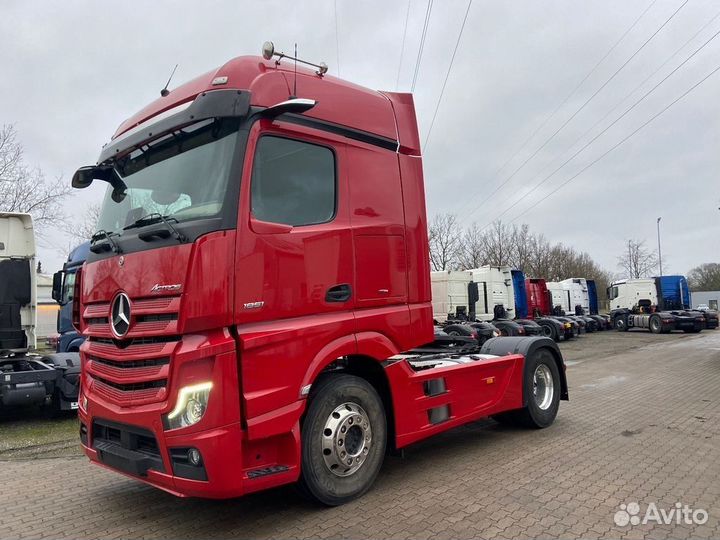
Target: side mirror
x: 83, y: 177
x: 57, y: 285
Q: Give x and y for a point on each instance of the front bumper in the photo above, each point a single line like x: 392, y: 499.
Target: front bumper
x: 147, y: 455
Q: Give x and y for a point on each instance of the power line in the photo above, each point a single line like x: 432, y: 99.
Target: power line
x: 614, y: 108
x: 402, y: 49
x: 693, y: 87
x: 642, y: 98
x: 428, y: 11
x: 337, y: 40
x: 447, y: 75
x: 558, y: 130
x: 564, y: 101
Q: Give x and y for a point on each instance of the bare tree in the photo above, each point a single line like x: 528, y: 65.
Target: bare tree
x: 445, y: 239
x: 637, y: 261
x: 497, y: 243
x: 83, y: 231
x: 522, y: 246
x: 471, y: 253
x: 705, y: 277
x: 540, y: 263
x: 24, y: 188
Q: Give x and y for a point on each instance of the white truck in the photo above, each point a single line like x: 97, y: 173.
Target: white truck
x: 27, y: 379
x: 574, y: 296
x: 634, y: 304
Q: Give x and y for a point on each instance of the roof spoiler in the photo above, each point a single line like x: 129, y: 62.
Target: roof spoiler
x: 210, y: 104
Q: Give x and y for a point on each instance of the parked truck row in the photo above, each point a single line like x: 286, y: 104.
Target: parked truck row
x: 514, y: 304
x: 466, y: 302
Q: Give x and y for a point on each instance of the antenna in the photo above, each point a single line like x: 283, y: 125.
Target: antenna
x: 164, y: 92
x: 295, y: 79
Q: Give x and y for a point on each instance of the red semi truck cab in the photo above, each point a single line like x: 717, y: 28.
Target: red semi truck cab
x: 261, y: 264
x: 538, y: 297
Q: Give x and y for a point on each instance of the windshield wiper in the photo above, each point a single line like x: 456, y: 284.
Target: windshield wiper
x: 111, y: 242
x: 156, y: 217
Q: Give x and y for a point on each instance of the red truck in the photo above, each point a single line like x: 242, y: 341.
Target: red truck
x: 257, y: 285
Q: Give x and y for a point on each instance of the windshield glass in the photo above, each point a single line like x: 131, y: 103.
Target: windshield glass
x: 183, y: 175
x: 68, y: 288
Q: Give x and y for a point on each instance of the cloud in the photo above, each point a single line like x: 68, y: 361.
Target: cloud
x: 73, y: 71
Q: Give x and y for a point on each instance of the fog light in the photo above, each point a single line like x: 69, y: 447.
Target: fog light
x: 194, y: 456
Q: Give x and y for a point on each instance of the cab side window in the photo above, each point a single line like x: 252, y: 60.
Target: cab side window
x: 293, y: 182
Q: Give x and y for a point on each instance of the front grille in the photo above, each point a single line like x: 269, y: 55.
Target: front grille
x: 133, y: 387
x: 132, y: 363
x: 133, y: 370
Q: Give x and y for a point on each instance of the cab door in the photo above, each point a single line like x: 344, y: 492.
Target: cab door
x: 294, y: 293
x: 295, y: 248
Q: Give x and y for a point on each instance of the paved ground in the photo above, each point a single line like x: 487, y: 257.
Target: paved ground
x: 643, y: 426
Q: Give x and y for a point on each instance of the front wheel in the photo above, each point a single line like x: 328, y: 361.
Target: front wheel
x: 541, y: 390
x: 344, y: 434
x: 620, y: 323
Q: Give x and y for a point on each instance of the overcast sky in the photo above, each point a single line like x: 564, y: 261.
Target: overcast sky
x: 72, y: 71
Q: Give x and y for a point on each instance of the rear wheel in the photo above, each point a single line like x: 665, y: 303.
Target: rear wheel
x: 541, y: 389
x: 549, y: 332
x: 344, y: 434
x: 655, y: 324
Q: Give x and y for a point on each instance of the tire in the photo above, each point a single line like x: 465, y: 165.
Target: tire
x: 620, y: 323
x: 457, y: 330
x: 549, y: 332
x: 540, y: 410
x: 336, y: 405
x: 655, y: 324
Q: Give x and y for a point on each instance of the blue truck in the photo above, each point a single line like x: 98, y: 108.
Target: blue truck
x: 673, y: 295
x: 69, y: 339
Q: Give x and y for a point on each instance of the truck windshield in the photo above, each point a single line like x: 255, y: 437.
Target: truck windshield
x: 68, y: 288
x: 183, y: 175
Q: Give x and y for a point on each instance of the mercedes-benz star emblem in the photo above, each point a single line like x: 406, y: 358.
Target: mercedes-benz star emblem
x: 120, y: 315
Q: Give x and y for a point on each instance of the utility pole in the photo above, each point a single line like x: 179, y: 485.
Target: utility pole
x: 659, y: 250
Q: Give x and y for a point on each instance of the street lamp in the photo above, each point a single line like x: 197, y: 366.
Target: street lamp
x: 659, y: 250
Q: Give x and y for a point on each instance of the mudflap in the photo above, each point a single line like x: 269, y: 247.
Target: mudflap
x: 430, y: 401
x: 526, y: 346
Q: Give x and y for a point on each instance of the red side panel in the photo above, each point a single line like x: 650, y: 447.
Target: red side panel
x: 473, y: 391
x: 416, y: 230
x: 407, y: 129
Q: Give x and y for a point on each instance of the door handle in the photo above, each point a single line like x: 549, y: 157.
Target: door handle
x: 338, y: 293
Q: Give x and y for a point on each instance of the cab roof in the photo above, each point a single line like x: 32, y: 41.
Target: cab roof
x: 386, y: 114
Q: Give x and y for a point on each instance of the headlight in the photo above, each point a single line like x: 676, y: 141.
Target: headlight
x: 496, y: 333
x: 568, y: 325
x: 190, y: 406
